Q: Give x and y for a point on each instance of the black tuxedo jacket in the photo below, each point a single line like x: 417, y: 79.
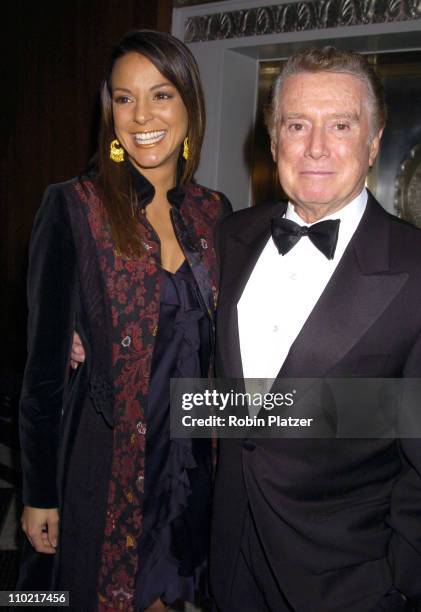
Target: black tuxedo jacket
x: 339, y: 519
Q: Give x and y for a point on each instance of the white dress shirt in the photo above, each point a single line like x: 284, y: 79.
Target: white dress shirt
x: 282, y: 291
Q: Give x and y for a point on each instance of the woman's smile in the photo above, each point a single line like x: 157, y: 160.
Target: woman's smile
x: 149, y: 138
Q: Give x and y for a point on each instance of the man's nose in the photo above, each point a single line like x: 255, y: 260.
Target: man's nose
x: 317, y: 145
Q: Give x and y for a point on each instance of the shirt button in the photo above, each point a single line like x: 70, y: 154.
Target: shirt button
x: 126, y: 341
x: 293, y: 276
x: 249, y: 445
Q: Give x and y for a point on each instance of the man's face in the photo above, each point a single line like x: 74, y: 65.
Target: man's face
x: 323, y: 145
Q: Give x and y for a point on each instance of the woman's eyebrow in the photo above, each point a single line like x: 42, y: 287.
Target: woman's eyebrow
x: 163, y: 84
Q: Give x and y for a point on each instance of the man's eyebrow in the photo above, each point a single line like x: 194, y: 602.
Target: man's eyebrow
x: 352, y: 116
x: 293, y: 116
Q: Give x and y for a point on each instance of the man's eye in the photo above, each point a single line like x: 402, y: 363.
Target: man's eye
x: 295, y: 127
x: 342, y: 127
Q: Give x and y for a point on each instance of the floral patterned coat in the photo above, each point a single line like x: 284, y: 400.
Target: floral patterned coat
x: 69, y: 427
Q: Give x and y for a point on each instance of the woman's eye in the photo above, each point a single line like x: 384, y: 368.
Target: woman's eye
x: 162, y: 95
x: 122, y: 99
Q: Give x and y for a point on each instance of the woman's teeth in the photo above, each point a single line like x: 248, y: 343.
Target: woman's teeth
x: 149, y: 137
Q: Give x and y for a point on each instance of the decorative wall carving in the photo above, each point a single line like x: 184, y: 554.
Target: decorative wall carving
x: 181, y: 3
x: 408, y: 187
x: 298, y: 16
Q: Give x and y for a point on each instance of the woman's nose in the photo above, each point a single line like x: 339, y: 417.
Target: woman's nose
x: 142, y: 112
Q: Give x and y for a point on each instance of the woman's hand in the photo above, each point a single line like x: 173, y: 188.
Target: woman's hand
x: 41, y: 528
x: 156, y: 606
x: 78, y: 352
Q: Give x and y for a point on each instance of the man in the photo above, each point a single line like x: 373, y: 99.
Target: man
x: 322, y: 525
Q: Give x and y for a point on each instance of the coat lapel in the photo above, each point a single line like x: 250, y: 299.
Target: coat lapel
x: 202, y: 274
x: 359, y: 291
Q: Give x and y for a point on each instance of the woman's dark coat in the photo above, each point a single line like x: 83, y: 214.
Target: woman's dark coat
x: 70, y: 422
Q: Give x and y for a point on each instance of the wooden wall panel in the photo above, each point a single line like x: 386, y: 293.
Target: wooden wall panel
x: 54, y: 55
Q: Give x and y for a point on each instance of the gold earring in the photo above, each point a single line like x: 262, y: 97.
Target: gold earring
x: 186, y: 148
x: 116, y: 152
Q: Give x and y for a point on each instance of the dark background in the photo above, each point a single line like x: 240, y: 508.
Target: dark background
x: 52, y: 59
x: 53, y: 54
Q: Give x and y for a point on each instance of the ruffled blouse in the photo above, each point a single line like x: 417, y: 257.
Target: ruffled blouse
x: 173, y: 546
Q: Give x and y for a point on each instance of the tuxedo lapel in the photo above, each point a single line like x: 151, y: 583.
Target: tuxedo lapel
x: 359, y: 291
x: 243, y: 247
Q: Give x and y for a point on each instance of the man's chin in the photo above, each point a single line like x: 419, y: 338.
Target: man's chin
x: 312, y: 209
x: 315, y: 201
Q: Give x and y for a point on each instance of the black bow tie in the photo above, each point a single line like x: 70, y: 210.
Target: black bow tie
x: 324, y: 235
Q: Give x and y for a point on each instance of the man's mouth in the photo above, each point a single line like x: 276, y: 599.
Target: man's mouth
x: 317, y: 172
x: 148, y: 138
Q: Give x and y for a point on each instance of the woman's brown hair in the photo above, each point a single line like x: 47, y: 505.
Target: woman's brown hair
x: 176, y: 63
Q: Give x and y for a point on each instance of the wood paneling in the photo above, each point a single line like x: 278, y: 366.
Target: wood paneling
x: 54, y: 53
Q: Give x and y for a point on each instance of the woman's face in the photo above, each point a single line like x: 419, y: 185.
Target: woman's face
x: 150, y: 118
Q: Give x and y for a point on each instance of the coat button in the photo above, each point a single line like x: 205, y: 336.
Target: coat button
x: 249, y: 445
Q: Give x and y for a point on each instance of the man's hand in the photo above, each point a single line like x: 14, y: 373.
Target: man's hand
x: 78, y: 352
x: 41, y: 528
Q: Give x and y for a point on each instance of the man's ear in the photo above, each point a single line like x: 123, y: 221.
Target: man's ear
x: 374, y: 147
x: 274, y: 150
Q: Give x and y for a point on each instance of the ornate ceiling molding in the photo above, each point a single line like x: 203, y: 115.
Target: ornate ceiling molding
x: 182, y: 3
x: 298, y: 16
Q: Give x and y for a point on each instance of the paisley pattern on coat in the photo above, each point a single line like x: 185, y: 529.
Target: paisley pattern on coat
x: 133, y: 289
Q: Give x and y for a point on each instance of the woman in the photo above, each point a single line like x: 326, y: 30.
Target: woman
x: 125, y: 256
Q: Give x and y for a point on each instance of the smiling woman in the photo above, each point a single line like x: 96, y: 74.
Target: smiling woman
x: 115, y: 511
x: 147, y: 81
x: 150, y: 118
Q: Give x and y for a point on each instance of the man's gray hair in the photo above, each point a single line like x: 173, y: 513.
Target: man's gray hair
x: 330, y: 59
